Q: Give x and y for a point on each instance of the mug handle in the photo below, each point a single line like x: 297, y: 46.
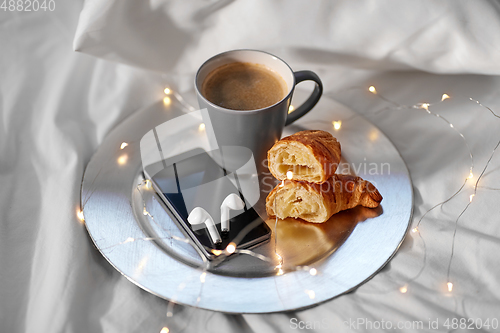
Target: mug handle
x: 311, y: 101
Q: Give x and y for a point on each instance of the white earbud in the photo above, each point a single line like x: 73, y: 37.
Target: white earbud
x: 198, y: 216
x: 233, y: 202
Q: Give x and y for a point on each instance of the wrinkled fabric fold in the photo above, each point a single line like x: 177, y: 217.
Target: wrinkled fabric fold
x: 439, y: 37
x: 57, y: 107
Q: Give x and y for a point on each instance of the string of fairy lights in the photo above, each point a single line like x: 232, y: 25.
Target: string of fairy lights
x: 426, y: 106
x: 231, y: 248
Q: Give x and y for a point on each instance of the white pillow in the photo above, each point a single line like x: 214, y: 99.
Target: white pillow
x: 451, y: 36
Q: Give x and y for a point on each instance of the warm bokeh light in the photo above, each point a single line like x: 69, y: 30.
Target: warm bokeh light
x: 425, y: 106
x: 337, y: 124
x: 403, y: 289
x: 201, y: 128
x: 231, y: 247
x: 79, y: 213
x: 164, y: 330
x: 450, y: 286
x: 122, y: 159
x: 445, y: 96
x: 167, y: 101
x: 471, y: 197
x: 313, y: 271
x: 123, y: 145
x: 278, y: 266
x: 372, y: 90
x: 471, y: 175
x: 167, y: 91
x: 311, y: 294
x: 216, y: 252
x: 414, y: 229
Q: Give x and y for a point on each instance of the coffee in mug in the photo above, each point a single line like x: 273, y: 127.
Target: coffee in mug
x: 259, y: 110
x: 244, y: 86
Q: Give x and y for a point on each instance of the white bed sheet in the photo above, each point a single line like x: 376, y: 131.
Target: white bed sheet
x: 58, y: 105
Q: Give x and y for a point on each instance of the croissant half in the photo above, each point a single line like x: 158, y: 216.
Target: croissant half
x: 312, y: 156
x: 318, y: 202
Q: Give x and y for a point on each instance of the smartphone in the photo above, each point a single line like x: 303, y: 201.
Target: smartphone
x: 193, y: 179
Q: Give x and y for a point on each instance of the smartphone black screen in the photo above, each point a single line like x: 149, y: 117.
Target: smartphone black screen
x: 194, y: 179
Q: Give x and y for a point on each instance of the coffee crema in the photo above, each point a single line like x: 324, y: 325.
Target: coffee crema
x: 243, y: 86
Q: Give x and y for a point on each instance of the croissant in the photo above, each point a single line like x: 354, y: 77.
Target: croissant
x: 312, y: 156
x: 318, y: 202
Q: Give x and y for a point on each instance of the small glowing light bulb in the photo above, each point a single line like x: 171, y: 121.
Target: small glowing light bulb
x: 471, y: 175
x: 313, y: 271
x: 122, y: 159
x: 167, y: 91
x: 123, y: 145
x: 148, y: 184
x: 337, y: 124
x: 414, y: 229
x: 80, y: 215
x: 451, y: 125
x: 217, y: 252
x: 201, y: 128
x: 290, y: 109
x: 289, y: 175
x: 202, y: 277
x: 372, y: 90
x: 129, y: 240
x: 310, y: 293
x: 403, y: 289
x: 425, y: 106
x: 278, y: 266
x: 231, y: 247
x: 471, y: 197
x: 164, y: 330
x: 144, y: 211
x: 167, y: 101
x: 445, y: 96
x: 450, y: 286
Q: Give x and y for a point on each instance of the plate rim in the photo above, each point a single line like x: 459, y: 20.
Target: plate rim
x: 117, y: 127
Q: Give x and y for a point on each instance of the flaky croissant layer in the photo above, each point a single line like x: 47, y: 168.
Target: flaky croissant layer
x: 318, y: 202
x: 311, y: 156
